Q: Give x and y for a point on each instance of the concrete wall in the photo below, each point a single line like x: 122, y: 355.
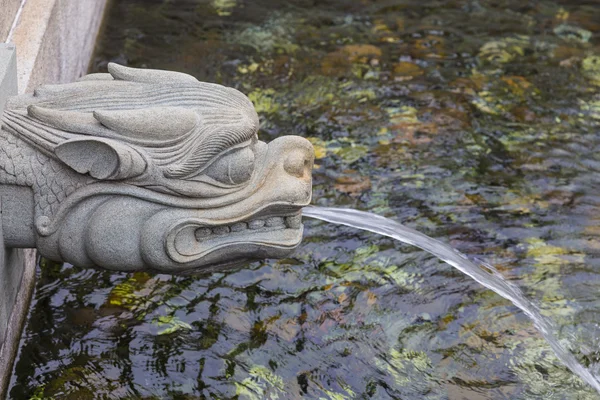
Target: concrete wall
x: 54, y: 41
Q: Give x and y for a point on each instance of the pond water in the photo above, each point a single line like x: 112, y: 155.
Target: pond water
x: 475, y: 122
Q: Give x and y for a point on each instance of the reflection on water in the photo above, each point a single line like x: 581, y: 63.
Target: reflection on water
x: 473, y: 121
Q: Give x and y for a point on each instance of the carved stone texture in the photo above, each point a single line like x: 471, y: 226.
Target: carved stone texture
x: 147, y: 169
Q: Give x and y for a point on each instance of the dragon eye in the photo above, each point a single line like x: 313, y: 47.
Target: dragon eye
x: 233, y: 168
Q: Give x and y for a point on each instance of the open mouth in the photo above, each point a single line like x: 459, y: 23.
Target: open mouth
x: 269, y: 224
x: 260, y: 236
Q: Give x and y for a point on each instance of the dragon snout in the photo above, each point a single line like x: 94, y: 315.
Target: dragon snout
x: 296, y: 154
x: 299, y: 162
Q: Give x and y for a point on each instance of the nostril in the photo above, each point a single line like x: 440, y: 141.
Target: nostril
x: 296, y: 163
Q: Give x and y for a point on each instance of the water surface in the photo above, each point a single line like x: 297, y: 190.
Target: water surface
x: 481, y: 271
x: 475, y: 122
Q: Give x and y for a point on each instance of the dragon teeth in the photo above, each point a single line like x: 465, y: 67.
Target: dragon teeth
x: 220, y: 230
x: 239, y: 226
x: 294, y: 221
x: 256, y: 224
x: 274, y: 222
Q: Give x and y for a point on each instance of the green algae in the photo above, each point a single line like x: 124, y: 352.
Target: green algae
x: 504, y: 50
x: 574, y: 33
x: 591, y: 68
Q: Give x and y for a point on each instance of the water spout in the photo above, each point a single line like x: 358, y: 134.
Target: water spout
x: 485, y: 274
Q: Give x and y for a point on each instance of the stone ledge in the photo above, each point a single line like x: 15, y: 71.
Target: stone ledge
x: 7, y: 16
x: 8, y: 71
x: 55, y: 40
x: 16, y: 321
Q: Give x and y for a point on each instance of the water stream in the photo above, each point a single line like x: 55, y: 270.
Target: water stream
x: 484, y: 274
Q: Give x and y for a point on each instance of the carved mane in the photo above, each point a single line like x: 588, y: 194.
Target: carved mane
x: 167, y: 118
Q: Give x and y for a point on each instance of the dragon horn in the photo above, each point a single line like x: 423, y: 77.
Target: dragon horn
x: 120, y: 72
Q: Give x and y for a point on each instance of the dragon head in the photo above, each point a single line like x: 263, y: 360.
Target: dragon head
x: 159, y: 171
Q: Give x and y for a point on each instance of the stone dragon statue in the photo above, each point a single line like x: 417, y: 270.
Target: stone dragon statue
x: 143, y: 169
